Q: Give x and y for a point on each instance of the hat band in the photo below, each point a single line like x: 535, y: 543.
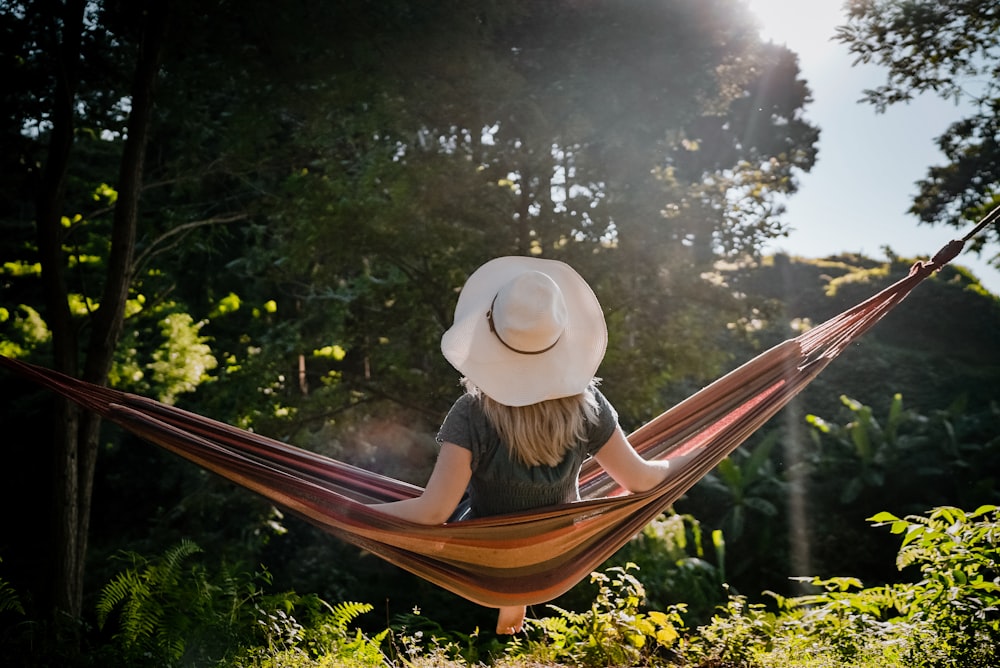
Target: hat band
x: 489, y: 317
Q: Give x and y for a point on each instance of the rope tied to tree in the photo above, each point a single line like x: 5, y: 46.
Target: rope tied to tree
x: 991, y: 217
x: 951, y: 250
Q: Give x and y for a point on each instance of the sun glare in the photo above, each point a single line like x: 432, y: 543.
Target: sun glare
x: 806, y: 27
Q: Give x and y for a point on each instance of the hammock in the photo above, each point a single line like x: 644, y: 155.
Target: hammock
x: 522, y: 558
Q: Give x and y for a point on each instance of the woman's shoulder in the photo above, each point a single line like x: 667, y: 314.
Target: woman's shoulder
x: 467, y: 404
x: 605, y: 410
x: 463, y: 421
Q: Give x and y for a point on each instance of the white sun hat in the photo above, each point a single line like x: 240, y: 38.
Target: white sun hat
x: 526, y: 330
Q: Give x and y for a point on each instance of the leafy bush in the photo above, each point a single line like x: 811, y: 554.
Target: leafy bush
x: 958, y: 595
x: 948, y: 453
x: 417, y: 640
x: 737, y: 635
x: 675, y: 565
x: 322, y: 638
x: 949, y: 617
x: 919, y: 460
x: 612, y: 632
x: 167, y: 611
x: 173, y: 611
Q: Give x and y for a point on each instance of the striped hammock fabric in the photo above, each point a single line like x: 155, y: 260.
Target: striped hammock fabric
x: 517, y: 559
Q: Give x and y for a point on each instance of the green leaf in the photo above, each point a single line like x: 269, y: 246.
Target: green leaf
x: 982, y: 510
x: 759, y: 457
x: 762, y: 506
x: 731, y: 475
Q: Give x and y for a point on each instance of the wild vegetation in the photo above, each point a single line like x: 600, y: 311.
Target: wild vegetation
x: 262, y: 212
x: 173, y: 610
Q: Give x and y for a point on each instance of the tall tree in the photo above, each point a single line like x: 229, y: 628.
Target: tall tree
x: 949, y: 49
x: 640, y: 142
x: 366, y: 157
x: 56, y: 40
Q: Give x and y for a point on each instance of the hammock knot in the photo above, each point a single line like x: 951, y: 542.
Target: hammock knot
x: 948, y: 253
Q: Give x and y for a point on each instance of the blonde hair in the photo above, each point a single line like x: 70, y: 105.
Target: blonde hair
x: 540, y: 434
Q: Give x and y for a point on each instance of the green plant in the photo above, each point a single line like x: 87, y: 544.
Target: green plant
x: 9, y: 600
x: 958, y: 554
x: 612, y: 632
x: 967, y: 450
x: 737, y: 635
x: 675, y: 565
x: 864, y: 446
x: 950, y: 617
x: 156, y: 605
x: 748, y: 481
x: 320, y: 636
x: 419, y: 640
x: 848, y: 622
x: 948, y: 453
x: 168, y: 611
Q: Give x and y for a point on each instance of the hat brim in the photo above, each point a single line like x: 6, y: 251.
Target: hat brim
x: 517, y: 379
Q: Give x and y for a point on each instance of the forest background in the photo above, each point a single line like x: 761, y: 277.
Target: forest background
x: 263, y: 212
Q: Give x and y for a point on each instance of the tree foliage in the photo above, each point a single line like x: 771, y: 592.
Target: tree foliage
x: 279, y: 214
x: 950, y: 49
x: 908, y: 413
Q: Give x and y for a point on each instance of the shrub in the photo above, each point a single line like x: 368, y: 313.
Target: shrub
x: 612, y: 632
x: 170, y: 611
x: 675, y: 565
x: 950, y: 617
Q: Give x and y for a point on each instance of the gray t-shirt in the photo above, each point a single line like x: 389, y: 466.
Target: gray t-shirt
x: 500, y: 484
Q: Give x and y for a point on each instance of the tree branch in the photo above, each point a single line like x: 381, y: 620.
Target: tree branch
x: 157, y: 247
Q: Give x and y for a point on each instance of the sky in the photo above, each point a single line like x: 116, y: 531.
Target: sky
x: 856, y: 196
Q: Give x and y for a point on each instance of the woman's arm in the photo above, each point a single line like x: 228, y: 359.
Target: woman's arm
x: 444, y: 489
x: 627, y: 466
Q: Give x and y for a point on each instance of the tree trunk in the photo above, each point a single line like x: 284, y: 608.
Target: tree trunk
x: 523, y: 226
x: 78, y: 433
x: 64, y: 595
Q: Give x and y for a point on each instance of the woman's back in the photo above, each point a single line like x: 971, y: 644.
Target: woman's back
x: 501, y: 482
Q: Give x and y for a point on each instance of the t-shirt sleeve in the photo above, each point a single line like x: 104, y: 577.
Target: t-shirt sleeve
x: 457, y: 427
x: 607, y: 423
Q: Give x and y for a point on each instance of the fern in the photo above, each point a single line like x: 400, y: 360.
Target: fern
x: 169, y: 610
x: 133, y: 589
x: 156, y: 604
x: 174, y: 556
x: 343, y: 614
x: 9, y: 600
x: 126, y: 586
x: 364, y: 651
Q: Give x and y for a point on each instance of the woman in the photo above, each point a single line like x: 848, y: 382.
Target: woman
x: 528, y: 337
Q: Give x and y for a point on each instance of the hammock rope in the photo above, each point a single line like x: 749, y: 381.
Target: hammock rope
x: 522, y: 558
